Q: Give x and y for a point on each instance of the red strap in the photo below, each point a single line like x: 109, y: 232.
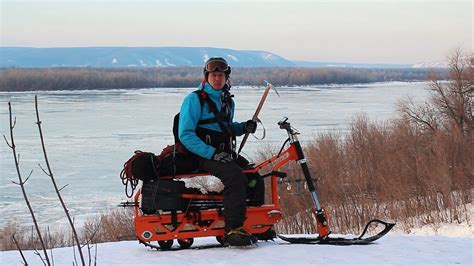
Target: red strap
x: 203, y: 93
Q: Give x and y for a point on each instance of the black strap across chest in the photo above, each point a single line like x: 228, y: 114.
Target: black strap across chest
x: 219, y: 117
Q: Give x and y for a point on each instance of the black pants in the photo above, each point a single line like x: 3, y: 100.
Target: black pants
x: 235, y: 182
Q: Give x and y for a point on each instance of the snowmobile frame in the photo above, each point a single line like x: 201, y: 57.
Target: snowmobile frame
x: 165, y: 227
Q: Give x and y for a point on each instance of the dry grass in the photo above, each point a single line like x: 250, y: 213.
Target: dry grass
x: 415, y: 170
x: 113, y: 226
x: 28, y: 240
x: 389, y: 171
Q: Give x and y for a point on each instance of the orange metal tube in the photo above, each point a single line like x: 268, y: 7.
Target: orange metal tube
x: 160, y: 226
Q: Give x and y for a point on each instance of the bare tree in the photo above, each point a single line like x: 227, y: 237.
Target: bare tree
x: 423, y: 116
x: 50, y: 174
x: 22, y: 182
x: 451, y: 102
x: 453, y: 99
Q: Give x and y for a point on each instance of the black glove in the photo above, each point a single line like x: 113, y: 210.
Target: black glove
x: 223, y: 157
x: 250, y: 126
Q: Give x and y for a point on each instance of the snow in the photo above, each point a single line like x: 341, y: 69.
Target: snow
x: 205, y: 184
x: 451, y: 230
x: 444, y: 244
x: 233, y: 57
x: 158, y: 63
x: 390, y: 250
x: 267, y: 56
x: 168, y: 63
x: 432, y: 64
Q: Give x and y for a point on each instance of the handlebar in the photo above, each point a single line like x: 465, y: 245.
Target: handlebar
x: 292, y: 132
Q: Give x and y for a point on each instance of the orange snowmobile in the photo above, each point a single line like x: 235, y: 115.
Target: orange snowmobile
x: 165, y: 210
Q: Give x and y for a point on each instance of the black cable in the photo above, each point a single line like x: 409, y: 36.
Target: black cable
x: 283, y: 146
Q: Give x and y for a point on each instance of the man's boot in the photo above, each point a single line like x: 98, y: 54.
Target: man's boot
x: 239, y: 237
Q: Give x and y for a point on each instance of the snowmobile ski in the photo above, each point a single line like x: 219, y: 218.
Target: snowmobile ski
x: 204, y: 246
x: 176, y: 248
x: 341, y: 240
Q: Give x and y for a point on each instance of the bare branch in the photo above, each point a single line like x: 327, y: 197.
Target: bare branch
x: 50, y: 174
x: 421, y: 116
x: 44, y: 171
x: 28, y: 177
x: 19, y: 250
x: 73, y: 249
x: 94, y: 233
x: 442, y: 99
x: 39, y: 255
x: 8, y: 143
x: 21, y: 183
x: 63, y: 187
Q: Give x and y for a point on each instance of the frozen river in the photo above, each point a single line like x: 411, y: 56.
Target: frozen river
x: 90, y: 134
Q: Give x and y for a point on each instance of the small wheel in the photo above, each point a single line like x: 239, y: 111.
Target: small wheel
x: 165, y: 244
x: 220, y: 239
x: 186, y: 242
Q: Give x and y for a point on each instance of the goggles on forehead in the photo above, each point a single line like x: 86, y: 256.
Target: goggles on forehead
x: 216, y: 65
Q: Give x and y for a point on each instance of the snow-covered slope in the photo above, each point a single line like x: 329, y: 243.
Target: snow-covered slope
x: 432, y: 64
x: 394, y: 249
x: 158, y: 57
x: 134, y: 57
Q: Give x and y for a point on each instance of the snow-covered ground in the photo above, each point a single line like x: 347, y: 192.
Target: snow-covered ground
x: 393, y: 249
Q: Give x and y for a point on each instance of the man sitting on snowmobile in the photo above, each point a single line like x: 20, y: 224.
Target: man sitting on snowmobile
x: 206, y: 129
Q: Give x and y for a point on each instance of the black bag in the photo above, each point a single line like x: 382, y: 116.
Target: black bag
x: 163, y: 195
x: 144, y: 166
x: 176, y: 160
x: 255, y: 190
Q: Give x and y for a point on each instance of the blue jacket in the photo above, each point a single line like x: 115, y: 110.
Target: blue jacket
x: 190, y: 114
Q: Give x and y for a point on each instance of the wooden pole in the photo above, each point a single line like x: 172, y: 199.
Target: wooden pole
x: 257, y: 112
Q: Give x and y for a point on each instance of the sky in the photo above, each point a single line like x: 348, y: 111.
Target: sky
x: 395, y: 32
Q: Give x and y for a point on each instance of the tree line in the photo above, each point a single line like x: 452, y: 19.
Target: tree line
x: 32, y: 79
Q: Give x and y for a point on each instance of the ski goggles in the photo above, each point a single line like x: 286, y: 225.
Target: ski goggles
x: 216, y: 65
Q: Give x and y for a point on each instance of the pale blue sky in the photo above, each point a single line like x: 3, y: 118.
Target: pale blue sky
x: 338, y: 31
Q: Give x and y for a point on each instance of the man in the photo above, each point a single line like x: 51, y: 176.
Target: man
x: 206, y: 128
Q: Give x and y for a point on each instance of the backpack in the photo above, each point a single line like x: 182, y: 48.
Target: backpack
x: 148, y: 167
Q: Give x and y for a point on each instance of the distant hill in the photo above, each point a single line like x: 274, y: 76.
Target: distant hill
x: 121, y: 57
x: 134, y: 57
x: 432, y: 64
x: 351, y: 65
